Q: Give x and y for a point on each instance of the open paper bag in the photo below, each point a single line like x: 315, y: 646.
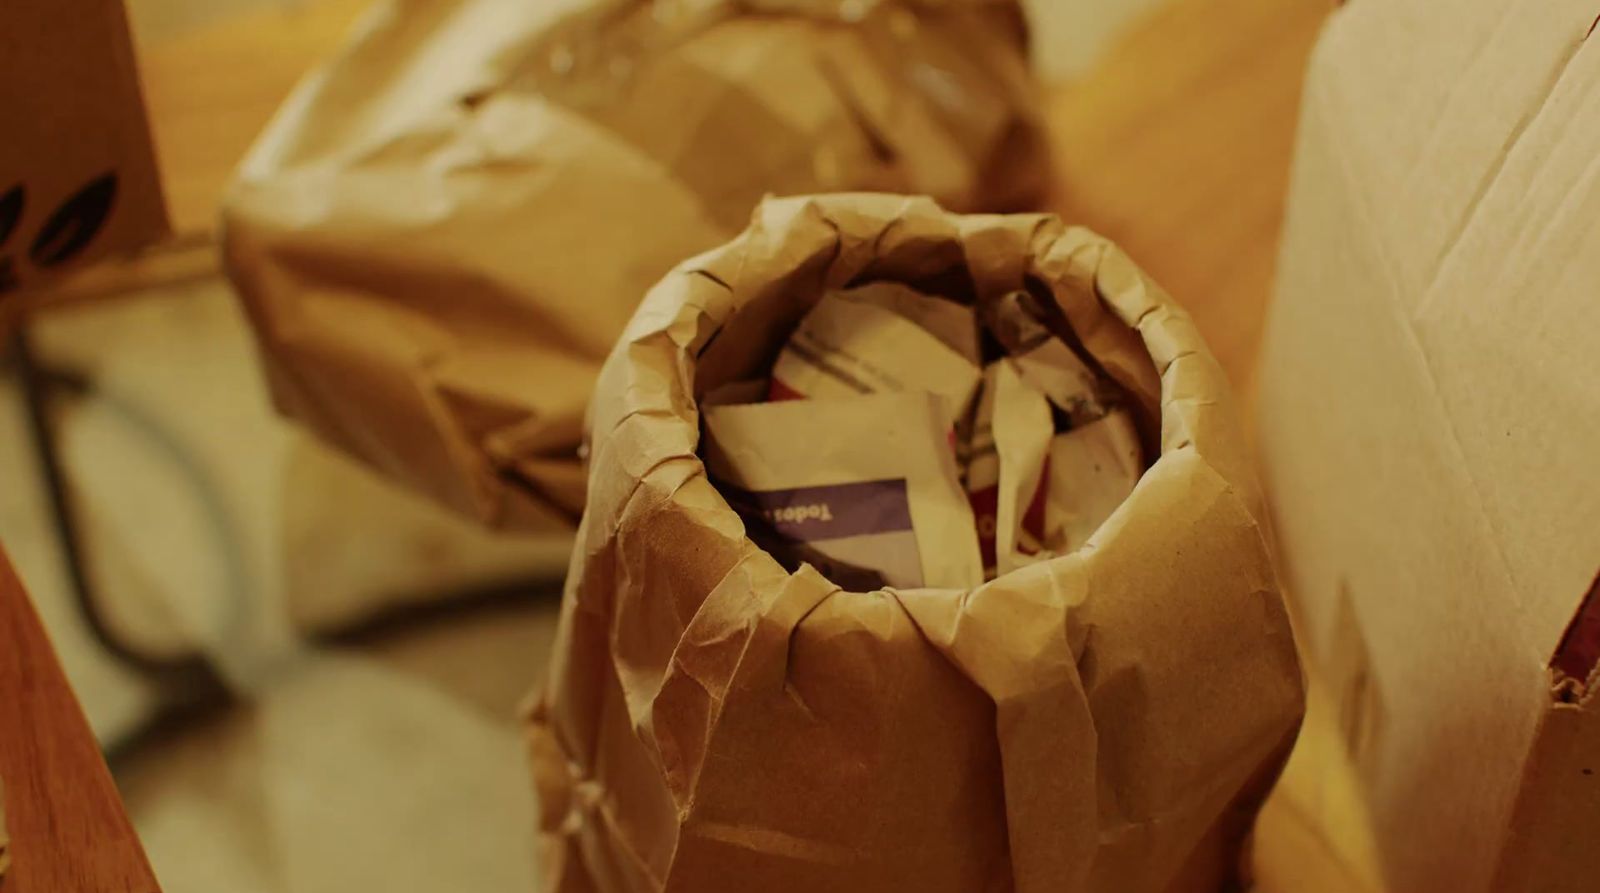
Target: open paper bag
x: 1107, y: 720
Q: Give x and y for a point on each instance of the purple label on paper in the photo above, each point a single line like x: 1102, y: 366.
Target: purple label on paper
x: 836, y: 511
x: 858, y: 535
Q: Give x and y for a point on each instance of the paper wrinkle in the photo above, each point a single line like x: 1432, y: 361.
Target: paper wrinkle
x: 731, y: 701
x: 591, y: 805
x: 790, y: 690
x: 699, y: 659
x: 776, y: 843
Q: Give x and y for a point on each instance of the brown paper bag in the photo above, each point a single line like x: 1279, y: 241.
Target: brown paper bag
x: 445, y: 230
x: 1104, y: 721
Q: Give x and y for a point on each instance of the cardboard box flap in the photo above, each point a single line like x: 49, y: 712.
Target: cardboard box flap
x: 1426, y: 152
x: 1508, y: 329
x: 1483, y: 198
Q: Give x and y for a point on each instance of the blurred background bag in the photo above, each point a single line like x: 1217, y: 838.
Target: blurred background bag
x: 443, y: 233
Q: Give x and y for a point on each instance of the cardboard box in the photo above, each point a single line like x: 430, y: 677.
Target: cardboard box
x: 1430, y: 424
x: 78, y: 176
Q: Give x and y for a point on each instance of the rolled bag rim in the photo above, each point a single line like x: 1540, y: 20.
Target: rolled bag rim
x: 1060, y: 829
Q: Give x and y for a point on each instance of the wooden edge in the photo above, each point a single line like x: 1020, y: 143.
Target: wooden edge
x: 69, y: 830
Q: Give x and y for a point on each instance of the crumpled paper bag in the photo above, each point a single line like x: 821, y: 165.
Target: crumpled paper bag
x: 1106, y: 721
x: 446, y: 228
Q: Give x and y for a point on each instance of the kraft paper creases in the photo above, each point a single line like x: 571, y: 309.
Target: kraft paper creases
x: 1108, y: 720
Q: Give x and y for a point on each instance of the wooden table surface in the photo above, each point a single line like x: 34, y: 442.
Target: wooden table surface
x: 1177, y: 146
x: 69, y: 833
